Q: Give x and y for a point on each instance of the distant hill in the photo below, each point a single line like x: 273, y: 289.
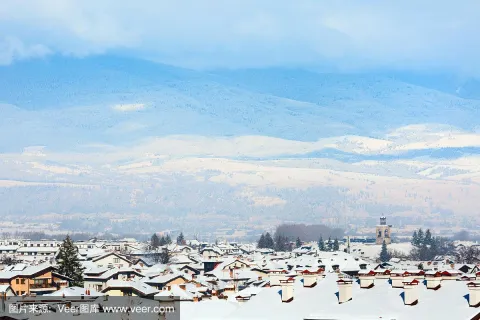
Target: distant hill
x: 85, y: 116
x: 75, y: 97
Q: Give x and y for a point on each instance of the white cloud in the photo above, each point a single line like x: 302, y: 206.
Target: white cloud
x: 129, y: 107
x: 11, y: 49
x: 401, y: 140
x: 34, y: 151
x: 347, y: 34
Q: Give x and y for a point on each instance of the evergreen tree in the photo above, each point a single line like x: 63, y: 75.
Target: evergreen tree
x: 163, y: 241
x: 154, y: 241
x: 181, y: 239
x: 434, y: 251
x: 168, y: 240
x: 336, y: 245
x: 298, y: 243
x: 428, y: 238
x: 269, y: 243
x: 321, y: 244
x: 68, y: 262
x: 421, y: 237
x: 415, y: 239
x: 261, y: 242
x: 281, y: 243
x: 384, y: 254
x: 424, y: 253
x: 329, y: 244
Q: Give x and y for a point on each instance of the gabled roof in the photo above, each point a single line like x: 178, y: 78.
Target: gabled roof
x: 26, y: 271
x: 164, y: 279
x: 110, y: 273
x: 137, y: 286
x: 75, y: 292
x: 109, y: 254
x: 190, y: 267
x: 5, y: 287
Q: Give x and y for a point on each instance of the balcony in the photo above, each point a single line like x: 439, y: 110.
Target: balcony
x: 45, y: 286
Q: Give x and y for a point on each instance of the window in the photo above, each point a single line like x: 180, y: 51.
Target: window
x: 23, y: 292
x: 22, y: 281
x: 116, y: 260
x: 17, y: 281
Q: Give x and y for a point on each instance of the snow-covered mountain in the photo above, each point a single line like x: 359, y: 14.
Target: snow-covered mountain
x: 100, y: 127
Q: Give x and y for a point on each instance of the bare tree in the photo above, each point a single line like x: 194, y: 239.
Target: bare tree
x: 468, y: 255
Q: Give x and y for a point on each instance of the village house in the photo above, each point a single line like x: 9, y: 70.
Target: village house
x: 129, y: 288
x: 97, y: 278
x: 162, y: 282
x: 39, y: 279
x: 111, y: 260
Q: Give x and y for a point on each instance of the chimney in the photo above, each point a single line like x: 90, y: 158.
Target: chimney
x: 276, y: 276
x: 344, y: 290
x: 309, y: 279
x: 259, y: 278
x: 396, y: 280
x: 434, y: 280
x: 367, y: 280
x: 410, y: 292
x: 477, y: 276
x: 474, y: 294
x: 287, y: 289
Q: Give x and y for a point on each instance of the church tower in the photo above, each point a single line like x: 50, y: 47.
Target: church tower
x: 383, y: 231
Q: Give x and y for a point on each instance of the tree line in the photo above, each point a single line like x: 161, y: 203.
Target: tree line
x: 281, y: 242
x: 278, y: 243
x: 158, y: 247
x: 427, y: 247
x: 330, y: 245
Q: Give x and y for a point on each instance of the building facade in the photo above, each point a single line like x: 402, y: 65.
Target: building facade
x: 383, y: 232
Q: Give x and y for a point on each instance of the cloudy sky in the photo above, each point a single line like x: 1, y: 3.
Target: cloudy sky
x: 428, y: 35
